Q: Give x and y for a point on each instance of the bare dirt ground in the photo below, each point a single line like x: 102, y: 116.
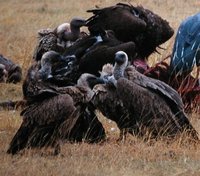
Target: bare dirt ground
x: 20, y: 20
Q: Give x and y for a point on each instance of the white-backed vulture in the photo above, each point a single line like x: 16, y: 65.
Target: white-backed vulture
x: 141, y: 105
x: 54, y: 113
x: 106, y: 98
x: 154, y: 105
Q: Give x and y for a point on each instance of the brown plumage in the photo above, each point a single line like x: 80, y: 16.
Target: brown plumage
x: 93, y: 52
x: 106, y: 98
x: 9, y: 71
x: 145, y: 28
x: 74, y: 33
x: 150, y: 105
x: 58, y: 39
x: 55, y: 113
x: 47, y: 41
x: 41, y: 123
x: 103, y: 53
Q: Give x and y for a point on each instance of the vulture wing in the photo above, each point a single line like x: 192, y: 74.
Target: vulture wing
x: 122, y: 19
x: 155, y: 85
x: 93, y: 61
x: 147, y: 29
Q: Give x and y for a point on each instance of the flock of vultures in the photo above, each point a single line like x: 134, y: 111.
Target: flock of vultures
x: 75, y: 73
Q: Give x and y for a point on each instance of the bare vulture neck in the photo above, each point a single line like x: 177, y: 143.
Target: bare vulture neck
x: 75, y: 32
x: 118, y: 71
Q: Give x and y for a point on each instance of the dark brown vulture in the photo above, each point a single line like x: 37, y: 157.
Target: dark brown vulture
x: 145, y: 28
x: 74, y: 33
x: 58, y: 39
x: 56, y: 68
x: 150, y: 106
x: 54, y: 113
x: 162, y: 108
x: 9, y: 71
x: 92, y: 52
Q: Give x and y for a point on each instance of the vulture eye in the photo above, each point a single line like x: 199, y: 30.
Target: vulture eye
x: 135, y: 13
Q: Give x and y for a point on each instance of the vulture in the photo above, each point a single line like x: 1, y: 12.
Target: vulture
x: 93, y: 51
x: 54, y: 113
x: 107, y: 101
x: 59, y: 38
x: 186, y: 50
x: 56, y: 68
x: 141, y: 105
x: 145, y: 28
x: 9, y: 71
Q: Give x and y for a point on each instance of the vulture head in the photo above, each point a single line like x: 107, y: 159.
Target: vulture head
x: 62, y: 29
x: 121, y: 62
x: 55, y: 66
x: 77, y: 23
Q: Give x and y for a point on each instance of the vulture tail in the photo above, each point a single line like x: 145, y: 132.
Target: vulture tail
x: 20, y: 139
x: 42, y: 136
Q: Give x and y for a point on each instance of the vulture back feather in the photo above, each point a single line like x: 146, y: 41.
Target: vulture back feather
x: 93, y: 52
x: 54, y: 112
x: 145, y: 28
x: 151, y: 104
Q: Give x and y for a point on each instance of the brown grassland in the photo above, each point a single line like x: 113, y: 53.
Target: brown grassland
x: 19, y: 22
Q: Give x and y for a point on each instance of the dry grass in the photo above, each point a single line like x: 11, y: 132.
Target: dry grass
x: 20, y: 21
